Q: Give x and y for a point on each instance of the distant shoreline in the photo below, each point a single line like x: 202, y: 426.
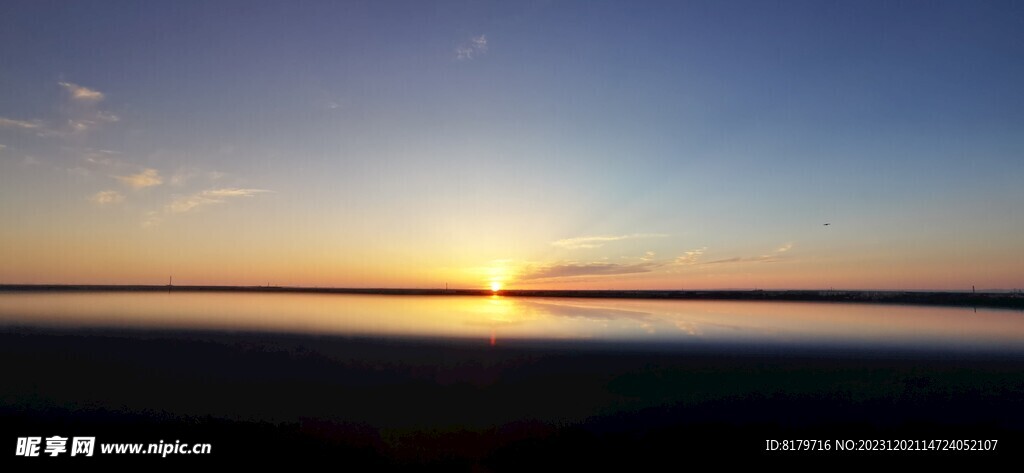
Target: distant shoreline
x: 1011, y: 300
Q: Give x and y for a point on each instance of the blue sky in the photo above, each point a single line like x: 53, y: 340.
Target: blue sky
x: 404, y: 143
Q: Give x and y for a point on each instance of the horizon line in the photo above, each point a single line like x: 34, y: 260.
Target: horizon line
x: 1002, y: 300
x: 972, y: 290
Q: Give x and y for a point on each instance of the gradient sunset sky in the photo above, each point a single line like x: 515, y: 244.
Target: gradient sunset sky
x: 534, y: 144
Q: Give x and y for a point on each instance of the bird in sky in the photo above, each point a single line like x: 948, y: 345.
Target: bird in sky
x: 827, y: 224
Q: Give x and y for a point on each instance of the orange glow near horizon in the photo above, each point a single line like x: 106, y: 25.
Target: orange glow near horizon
x: 149, y: 256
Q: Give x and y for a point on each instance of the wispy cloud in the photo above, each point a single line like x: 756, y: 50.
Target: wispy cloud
x: 690, y: 257
x: 565, y: 270
x: 92, y: 121
x: 20, y: 124
x: 74, y: 120
x: 185, y: 175
x: 233, y: 192
x: 81, y: 93
x: 80, y: 126
x: 598, y: 241
x: 775, y: 256
x: 38, y: 127
x: 101, y: 157
x: 146, y: 178
x: 151, y: 219
x: 471, y: 49
x: 108, y: 117
x: 734, y: 259
x: 107, y: 197
x: 192, y: 202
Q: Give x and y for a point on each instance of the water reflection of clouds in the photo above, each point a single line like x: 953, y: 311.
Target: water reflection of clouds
x: 692, y: 324
x: 649, y: 321
x: 646, y: 321
x: 688, y: 327
x: 576, y: 311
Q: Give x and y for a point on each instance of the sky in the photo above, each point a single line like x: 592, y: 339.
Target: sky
x: 526, y: 144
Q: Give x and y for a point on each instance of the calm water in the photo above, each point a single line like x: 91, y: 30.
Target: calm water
x: 493, y: 319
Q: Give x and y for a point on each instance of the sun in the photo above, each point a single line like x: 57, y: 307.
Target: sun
x: 495, y: 286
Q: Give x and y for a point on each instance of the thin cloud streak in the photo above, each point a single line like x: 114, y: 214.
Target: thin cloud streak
x: 20, y: 124
x: 142, y: 180
x: 81, y: 93
x: 107, y: 197
x: 195, y: 201
x: 774, y: 257
x: 102, y: 157
x: 566, y: 270
x: 599, y: 241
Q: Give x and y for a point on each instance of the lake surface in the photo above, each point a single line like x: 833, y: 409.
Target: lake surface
x: 494, y: 320
x: 457, y: 381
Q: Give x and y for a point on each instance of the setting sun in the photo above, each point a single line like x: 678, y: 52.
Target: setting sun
x: 495, y: 286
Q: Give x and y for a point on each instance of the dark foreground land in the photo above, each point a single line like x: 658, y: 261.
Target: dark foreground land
x: 464, y: 405
x: 1005, y: 299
